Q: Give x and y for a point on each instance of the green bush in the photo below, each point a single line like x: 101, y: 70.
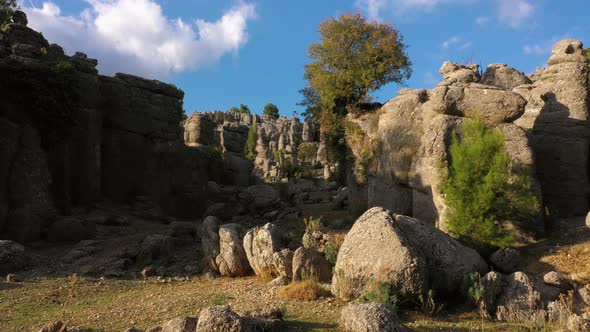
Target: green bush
x: 250, y: 148
x: 482, y: 189
x: 271, y: 110
x: 219, y: 299
x: 382, y: 293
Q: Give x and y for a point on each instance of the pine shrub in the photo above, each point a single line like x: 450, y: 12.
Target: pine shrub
x: 482, y: 189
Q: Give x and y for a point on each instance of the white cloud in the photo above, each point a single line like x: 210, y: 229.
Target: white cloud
x: 373, y: 8
x: 450, y: 42
x: 134, y: 36
x: 515, y: 13
x: 482, y: 20
x: 535, y: 49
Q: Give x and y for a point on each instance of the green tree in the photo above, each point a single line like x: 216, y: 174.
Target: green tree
x: 311, y: 102
x: 7, y: 8
x: 244, y: 109
x: 482, y: 189
x: 250, y: 148
x: 271, y: 110
x: 355, y: 58
x: 234, y: 109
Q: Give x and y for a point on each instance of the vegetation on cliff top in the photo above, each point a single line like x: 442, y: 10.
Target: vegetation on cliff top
x: 483, y: 190
x: 271, y: 110
x: 7, y: 8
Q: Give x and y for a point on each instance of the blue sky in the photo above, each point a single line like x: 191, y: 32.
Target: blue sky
x: 223, y: 53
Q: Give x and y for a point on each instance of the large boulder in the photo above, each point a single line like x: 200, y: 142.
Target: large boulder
x: 493, y: 105
x: 311, y: 264
x: 406, y: 253
x: 260, y: 244
x: 181, y: 324
x: 210, y: 242
x: 506, y: 260
x: 369, y: 317
x: 457, y: 73
x: 283, y: 263
x: 222, y: 318
x: 232, y: 260
x: 12, y: 257
x: 519, y: 301
x: 503, y: 76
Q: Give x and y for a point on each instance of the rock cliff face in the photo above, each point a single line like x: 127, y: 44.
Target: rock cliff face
x: 557, y: 120
x: 229, y: 132
x: 544, y: 119
x: 69, y: 137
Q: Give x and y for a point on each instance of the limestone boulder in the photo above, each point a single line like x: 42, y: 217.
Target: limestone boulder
x: 412, y: 256
x: 283, y: 263
x: 210, y: 242
x: 519, y: 301
x: 370, y: 317
x: 311, y: 264
x: 507, y: 260
x: 457, y: 73
x: 232, y: 260
x: 181, y: 324
x: 12, y: 257
x: 558, y: 280
x: 493, y: 105
x: 260, y: 244
x: 503, y: 76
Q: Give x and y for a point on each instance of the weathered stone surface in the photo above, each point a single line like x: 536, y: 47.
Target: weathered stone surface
x: 457, y: 73
x: 12, y: 257
x: 260, y: 244
x: 556, y: 116
x: 493, y: 283
x: 219, y: 318
x: 71, y: 230
x: 311, y: 264
x: 186, y: 324
x: 210, y: 242
x: 587, y: 221
x: 507, y: 260
x: 263, y: 196
x: 283, y: 263
x: 199, y: 130
x: 408, y: 254
x: 519, y: 301
x: 369, y: 317
x: 155, y: 247
x: 503, y: 76
x: 558, y: 280
x: 491, y: 104
x: 232, y: 260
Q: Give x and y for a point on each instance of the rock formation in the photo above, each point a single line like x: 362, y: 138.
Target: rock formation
x: 557, y: 120
x: 413, y: 132
x: 229, y: 132
x: 69, y: 137
x: 412, y: 256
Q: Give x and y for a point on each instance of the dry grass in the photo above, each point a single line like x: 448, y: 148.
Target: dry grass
x: 306, y: 290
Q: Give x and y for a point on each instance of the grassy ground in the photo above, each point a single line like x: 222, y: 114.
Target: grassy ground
x: 115, y: 305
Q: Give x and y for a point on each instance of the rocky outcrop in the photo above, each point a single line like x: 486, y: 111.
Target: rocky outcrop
x: 232, y: 260
x: 229, y: 131
x: 408, y: 254
x: 369, y: 317
x: 503, y: 76
x: 70, y: 137
x: 260, y: 244
x: 310, y: 264
x: 413, y: 133
x: 556, y: 117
